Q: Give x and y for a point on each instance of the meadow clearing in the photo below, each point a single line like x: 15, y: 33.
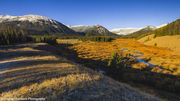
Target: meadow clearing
x: 31, y: 72
x: 151, y: 66
x: 163, y: 57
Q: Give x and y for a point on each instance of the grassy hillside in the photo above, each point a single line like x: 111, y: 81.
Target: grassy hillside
x: 167, y: 36
x: 161, y: 41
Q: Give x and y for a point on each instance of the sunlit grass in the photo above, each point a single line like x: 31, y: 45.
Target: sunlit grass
x: 102, y: 51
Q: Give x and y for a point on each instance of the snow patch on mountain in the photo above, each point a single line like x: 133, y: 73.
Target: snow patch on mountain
x: 30, y: 18
x: 161, y: 26
x: 35, y: 24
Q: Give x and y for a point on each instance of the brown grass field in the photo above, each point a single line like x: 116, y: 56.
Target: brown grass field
x: 164, y: 75
x: 29, y: 72
x: 168, y: 59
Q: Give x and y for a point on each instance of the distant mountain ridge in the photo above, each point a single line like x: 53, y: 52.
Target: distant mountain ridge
x: 126, y: 31
x: 94, y: 30
x: 172, y: 28
x: 142, y: 32
x: 35, y: 24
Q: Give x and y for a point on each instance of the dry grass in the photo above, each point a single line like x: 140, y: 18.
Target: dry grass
x: 68, y: 41
x: 53, y: 88
x: 27, y: 72
x: 170, y: 42
x: 102, y: 51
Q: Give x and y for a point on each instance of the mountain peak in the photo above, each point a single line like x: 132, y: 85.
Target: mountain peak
x: 34, y: 24
x: 149, y: 27
x: 91, y: 30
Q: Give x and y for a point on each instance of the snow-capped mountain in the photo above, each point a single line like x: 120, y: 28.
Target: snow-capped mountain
x: 30, y: 18
x: 124, y: 31
x: 92, y: 30
x: 149, y: 28
x: 161, y: 25
x: 34, y: 24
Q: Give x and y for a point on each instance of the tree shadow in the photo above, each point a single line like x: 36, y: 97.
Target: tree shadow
x: 14, y: 54
x: 22, y: 63
x: 38, y: 77
x: 17, y: 73
x: 70, y: 54
x: 36, y: 74
x: 87, y: 88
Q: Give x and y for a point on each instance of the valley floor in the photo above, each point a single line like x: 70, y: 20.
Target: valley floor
x: 26, y: 71
x: 161, y: 72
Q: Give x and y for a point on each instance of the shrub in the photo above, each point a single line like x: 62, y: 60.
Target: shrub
x: 155, y: 44
x: 115, y: 61
x: 154, y: 36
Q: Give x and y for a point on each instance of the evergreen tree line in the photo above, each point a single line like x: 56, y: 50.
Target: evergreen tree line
x: 11, y: 36
x: 171, y: 29
x: 97, y: 38
x: 43, y: 39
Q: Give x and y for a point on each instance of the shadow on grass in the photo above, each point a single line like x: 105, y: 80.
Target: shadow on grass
x: 14, y: 54
x: 34, y: 77
x: 85, y: 88
x: 18, y: 78
x: 22, y: 63
x: 63, y: 51
x: 18, y: 73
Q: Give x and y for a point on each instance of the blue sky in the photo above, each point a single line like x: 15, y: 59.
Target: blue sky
x: 109, y: 13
